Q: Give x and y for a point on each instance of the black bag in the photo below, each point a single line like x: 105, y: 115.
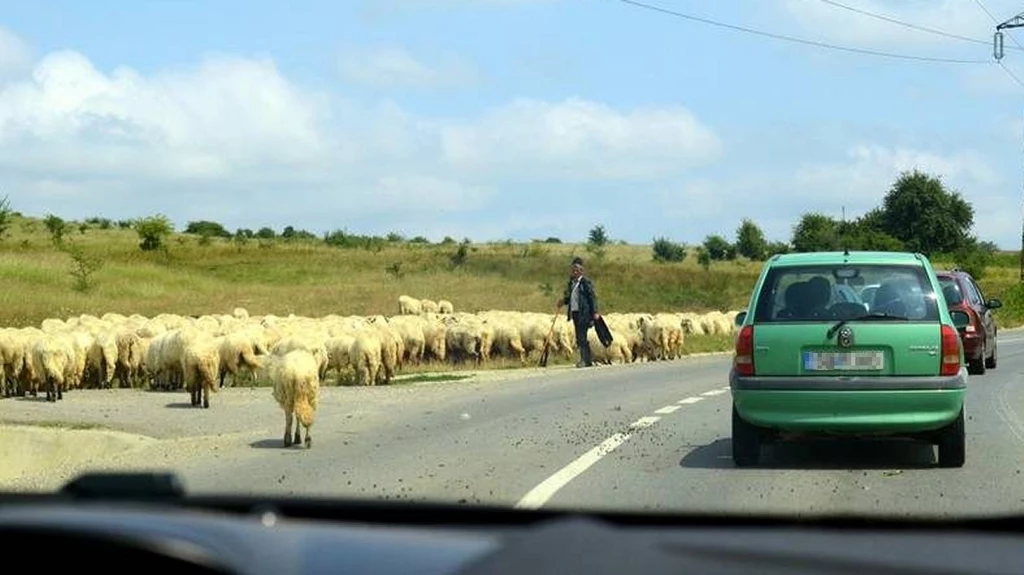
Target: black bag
x: 603, y: 333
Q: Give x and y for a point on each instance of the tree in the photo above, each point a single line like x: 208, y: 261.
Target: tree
x: 718, y: 248
x: 596, y: 240
x: 816, y: 232
x: 57, y: 228
x: 668, y: 251
x: 6, y: 216
x: 153, y: 231
x: 750, y: 242
x: 927, y: 218
x: 207, y: 228
x: 777, y: 248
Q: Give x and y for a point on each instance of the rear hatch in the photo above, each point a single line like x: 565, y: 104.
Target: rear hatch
x: 879, y: 347
x: 800, y: 330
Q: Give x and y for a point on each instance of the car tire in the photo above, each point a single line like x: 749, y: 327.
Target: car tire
x: 977, y: 366
x: 746, y: 442
x: 990, y: 362
x: 952, y: 442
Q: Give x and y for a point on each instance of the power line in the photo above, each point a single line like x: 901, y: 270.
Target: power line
x: 985, y: 10
x: 1009, y: 72
x: 995, y: 20
x: 1013, y: 76
x: 906, y: 24
x: 1014, y: 22
x: 796, y: 40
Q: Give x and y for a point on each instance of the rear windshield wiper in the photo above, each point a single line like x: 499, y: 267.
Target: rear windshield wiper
x: 875, y: 315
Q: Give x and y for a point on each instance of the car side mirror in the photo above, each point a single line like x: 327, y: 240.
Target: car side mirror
x: 960, y: 318
x: 740, y: 318
x: 993, y: 304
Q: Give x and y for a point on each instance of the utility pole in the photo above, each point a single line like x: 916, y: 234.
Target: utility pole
x: 997, y: 52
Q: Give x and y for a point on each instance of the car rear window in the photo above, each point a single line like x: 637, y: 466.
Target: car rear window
x: 951, y: 289
x: 824, y: 292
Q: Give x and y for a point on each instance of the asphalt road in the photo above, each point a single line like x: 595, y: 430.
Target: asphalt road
x: 644, y: 437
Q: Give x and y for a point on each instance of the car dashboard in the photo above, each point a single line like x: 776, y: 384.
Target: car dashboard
x: 245, y: 536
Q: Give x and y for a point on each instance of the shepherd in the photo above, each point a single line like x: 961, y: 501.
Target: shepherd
x: 583, y: 313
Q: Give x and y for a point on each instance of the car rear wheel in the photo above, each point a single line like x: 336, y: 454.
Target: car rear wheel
x: 953, y: 443
x: 746, y: 442
x: 977, y: 366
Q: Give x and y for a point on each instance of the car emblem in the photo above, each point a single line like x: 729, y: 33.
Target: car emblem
x: 845, y: 338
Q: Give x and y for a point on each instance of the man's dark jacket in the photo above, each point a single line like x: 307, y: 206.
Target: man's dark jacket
x: 587, y: 299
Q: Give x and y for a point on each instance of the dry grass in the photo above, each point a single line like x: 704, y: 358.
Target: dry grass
x: 310, y: 278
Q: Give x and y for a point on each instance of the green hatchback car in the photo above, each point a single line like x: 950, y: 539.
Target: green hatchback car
x: 813, y: 358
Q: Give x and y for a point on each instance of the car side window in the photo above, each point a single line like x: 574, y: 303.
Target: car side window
x: 972, y: 292
x: 977, y: 289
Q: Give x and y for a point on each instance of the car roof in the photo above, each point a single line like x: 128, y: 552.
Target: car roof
x: 852, y: 257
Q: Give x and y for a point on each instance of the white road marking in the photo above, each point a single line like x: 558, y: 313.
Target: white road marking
x: 643, y: 422
x: 542, y: 493
x: 713, y: 392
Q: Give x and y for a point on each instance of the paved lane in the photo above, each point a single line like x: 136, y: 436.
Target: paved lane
x: 490, y: 444
x: 644, y: 436
x: 683, y: 462
x: 652, y: 436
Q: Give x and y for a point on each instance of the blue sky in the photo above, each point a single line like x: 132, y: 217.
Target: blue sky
x: 498, y: 119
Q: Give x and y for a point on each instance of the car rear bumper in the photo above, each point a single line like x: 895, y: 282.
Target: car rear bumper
x: 849, y: 404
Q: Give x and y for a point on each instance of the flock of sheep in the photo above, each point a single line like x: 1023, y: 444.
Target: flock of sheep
x: 295, y: 354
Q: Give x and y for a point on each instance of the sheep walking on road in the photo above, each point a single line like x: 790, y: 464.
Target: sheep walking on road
x: 296, y: 379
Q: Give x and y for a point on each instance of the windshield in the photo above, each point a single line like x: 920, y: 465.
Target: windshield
x: 494, y: 252
x: 951, y: 291
x: 821, y: 292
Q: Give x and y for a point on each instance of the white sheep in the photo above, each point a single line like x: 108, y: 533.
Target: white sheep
x: 409, y: 305
x: 200, y: 363
x: 296, y: 379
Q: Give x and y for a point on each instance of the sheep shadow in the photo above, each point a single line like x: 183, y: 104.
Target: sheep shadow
x: 180, y: 405
x: 821, y: 454
x: 34, y: 398
x: 268, y: 444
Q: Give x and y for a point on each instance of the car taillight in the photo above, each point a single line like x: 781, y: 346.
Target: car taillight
x: 950, y: 351
x: 743, y: 361
x: 971, y: 326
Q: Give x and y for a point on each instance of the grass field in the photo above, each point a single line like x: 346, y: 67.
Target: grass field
x: 308, y: 277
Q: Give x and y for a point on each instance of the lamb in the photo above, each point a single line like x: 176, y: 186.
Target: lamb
x: 296, y: 379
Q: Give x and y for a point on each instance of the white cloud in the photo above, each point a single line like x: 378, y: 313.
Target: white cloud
x: 234, y: 140
x: 581, y: 140
x: 774, y: 196
x: 396, y: 68
x: 860, y: 182
x: 15, y: 55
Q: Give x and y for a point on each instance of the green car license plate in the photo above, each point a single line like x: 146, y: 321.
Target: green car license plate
x: 843, y: 360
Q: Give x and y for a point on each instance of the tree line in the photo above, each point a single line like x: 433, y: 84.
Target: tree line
x: 918, y: 214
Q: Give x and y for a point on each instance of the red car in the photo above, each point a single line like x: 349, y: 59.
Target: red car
x: 979, y: 338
